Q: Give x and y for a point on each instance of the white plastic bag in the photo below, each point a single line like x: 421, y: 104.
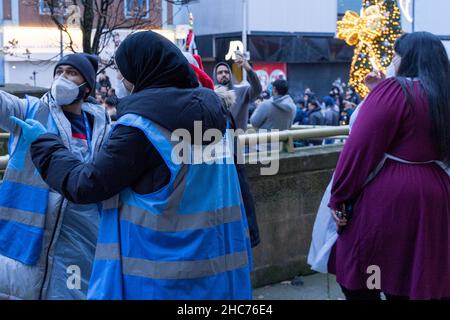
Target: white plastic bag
x: 324, y: 235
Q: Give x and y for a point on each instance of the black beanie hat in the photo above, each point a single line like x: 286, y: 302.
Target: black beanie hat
x: 86, y: 64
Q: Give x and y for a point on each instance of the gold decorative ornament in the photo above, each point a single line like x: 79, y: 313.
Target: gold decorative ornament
x: 373, y: 33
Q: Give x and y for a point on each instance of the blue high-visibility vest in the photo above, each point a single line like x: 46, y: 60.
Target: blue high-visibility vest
x: 188, y: 240
x: 24, y: 195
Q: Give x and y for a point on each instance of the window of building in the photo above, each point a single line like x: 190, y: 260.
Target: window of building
x: 135, y: 8
x: 59, y: 7
x: 43, y: 8
x: 7, y: 12
x: 344, y: 5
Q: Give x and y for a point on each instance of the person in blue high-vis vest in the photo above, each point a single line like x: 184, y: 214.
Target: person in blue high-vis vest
x: 47, y: 242
x: 169, y: 229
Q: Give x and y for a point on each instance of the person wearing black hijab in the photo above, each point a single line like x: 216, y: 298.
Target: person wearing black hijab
x: 166, y: 91
x: 168, y: 230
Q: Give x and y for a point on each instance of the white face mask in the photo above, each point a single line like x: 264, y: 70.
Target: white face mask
x: 65, y: 92
x: 391, y: 70
x: 121, y: 90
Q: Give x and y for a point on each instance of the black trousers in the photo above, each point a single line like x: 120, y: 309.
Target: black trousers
x: 372, y: 295
x: 249, y: 204
x: 367, y: 295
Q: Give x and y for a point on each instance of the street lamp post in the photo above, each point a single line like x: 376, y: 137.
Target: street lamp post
x: 61, y: 36
x: 414, y: 16
x: 61, y: 40
x: 34, y: 77
x: 244, y: 32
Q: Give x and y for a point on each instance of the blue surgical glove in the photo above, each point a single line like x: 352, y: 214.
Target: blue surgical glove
x: 31, y: 129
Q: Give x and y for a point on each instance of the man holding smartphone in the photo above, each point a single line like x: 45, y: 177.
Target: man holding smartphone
x: 245, y: 94
x: 239, y: 112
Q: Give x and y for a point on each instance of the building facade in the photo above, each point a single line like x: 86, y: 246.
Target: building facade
x: 291, y: 37
x: 296, y: 36
x: 427, y: 15
x: 38, y: 41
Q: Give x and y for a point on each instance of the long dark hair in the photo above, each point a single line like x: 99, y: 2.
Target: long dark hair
x: 424, y: 57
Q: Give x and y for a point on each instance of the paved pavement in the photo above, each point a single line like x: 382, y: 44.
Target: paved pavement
x: 314, y: 287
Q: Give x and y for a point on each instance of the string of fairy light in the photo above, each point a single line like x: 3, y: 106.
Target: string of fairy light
x: 373, y: 34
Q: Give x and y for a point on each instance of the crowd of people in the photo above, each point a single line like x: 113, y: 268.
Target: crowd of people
x: 334, y: 109
x: 105, y: 95
x: 274, y: 109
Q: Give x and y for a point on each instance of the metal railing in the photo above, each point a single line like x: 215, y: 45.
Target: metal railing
x: 3, y: 162
x: 5, y: 158
x: 287, y: 138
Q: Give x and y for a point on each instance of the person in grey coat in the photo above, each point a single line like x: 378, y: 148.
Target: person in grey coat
x: 245, y: 94
x: 58, y: 265
x: 332, y: 113
x: 276, y: 113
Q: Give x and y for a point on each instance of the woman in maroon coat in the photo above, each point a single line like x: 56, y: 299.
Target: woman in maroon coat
x: 397, y: 238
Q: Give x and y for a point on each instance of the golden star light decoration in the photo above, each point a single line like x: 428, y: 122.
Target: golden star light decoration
x: 373, y: 33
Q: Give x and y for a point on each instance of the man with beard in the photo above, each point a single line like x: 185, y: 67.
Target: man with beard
x: 244, y: 94
x: 239, y: 114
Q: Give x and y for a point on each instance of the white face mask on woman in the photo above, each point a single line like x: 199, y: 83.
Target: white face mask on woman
x: 391, y: 70
x: 65, y: 92
x: 121, y: 90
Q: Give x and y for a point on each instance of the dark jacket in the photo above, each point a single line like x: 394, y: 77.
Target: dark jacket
x: 128, y: 159
x: 316, y: 117
x: 300, y: 116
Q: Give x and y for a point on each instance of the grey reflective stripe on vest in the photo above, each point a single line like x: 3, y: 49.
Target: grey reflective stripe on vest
x: 42, y: 113
x: 25, y: 217
x: 111, y: 203
x: 171, y: 221
x: 166, y: 134
x: 179, y: 222
x: 107, y: 251
x: 173, y: 270
x: 27, y: 176
x: 179, y: 187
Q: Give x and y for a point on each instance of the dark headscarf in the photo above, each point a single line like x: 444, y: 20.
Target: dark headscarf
x: 148, y: 60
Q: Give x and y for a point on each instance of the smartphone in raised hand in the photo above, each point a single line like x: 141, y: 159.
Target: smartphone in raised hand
x: 239, y: 56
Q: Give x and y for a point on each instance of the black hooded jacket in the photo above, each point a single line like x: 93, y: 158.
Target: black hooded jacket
x: 166, y: 92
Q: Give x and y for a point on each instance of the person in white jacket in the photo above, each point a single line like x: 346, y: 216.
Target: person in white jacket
x: 47, y: 242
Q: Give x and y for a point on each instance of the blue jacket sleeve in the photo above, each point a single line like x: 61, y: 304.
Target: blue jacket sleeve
x: 125, y: 159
